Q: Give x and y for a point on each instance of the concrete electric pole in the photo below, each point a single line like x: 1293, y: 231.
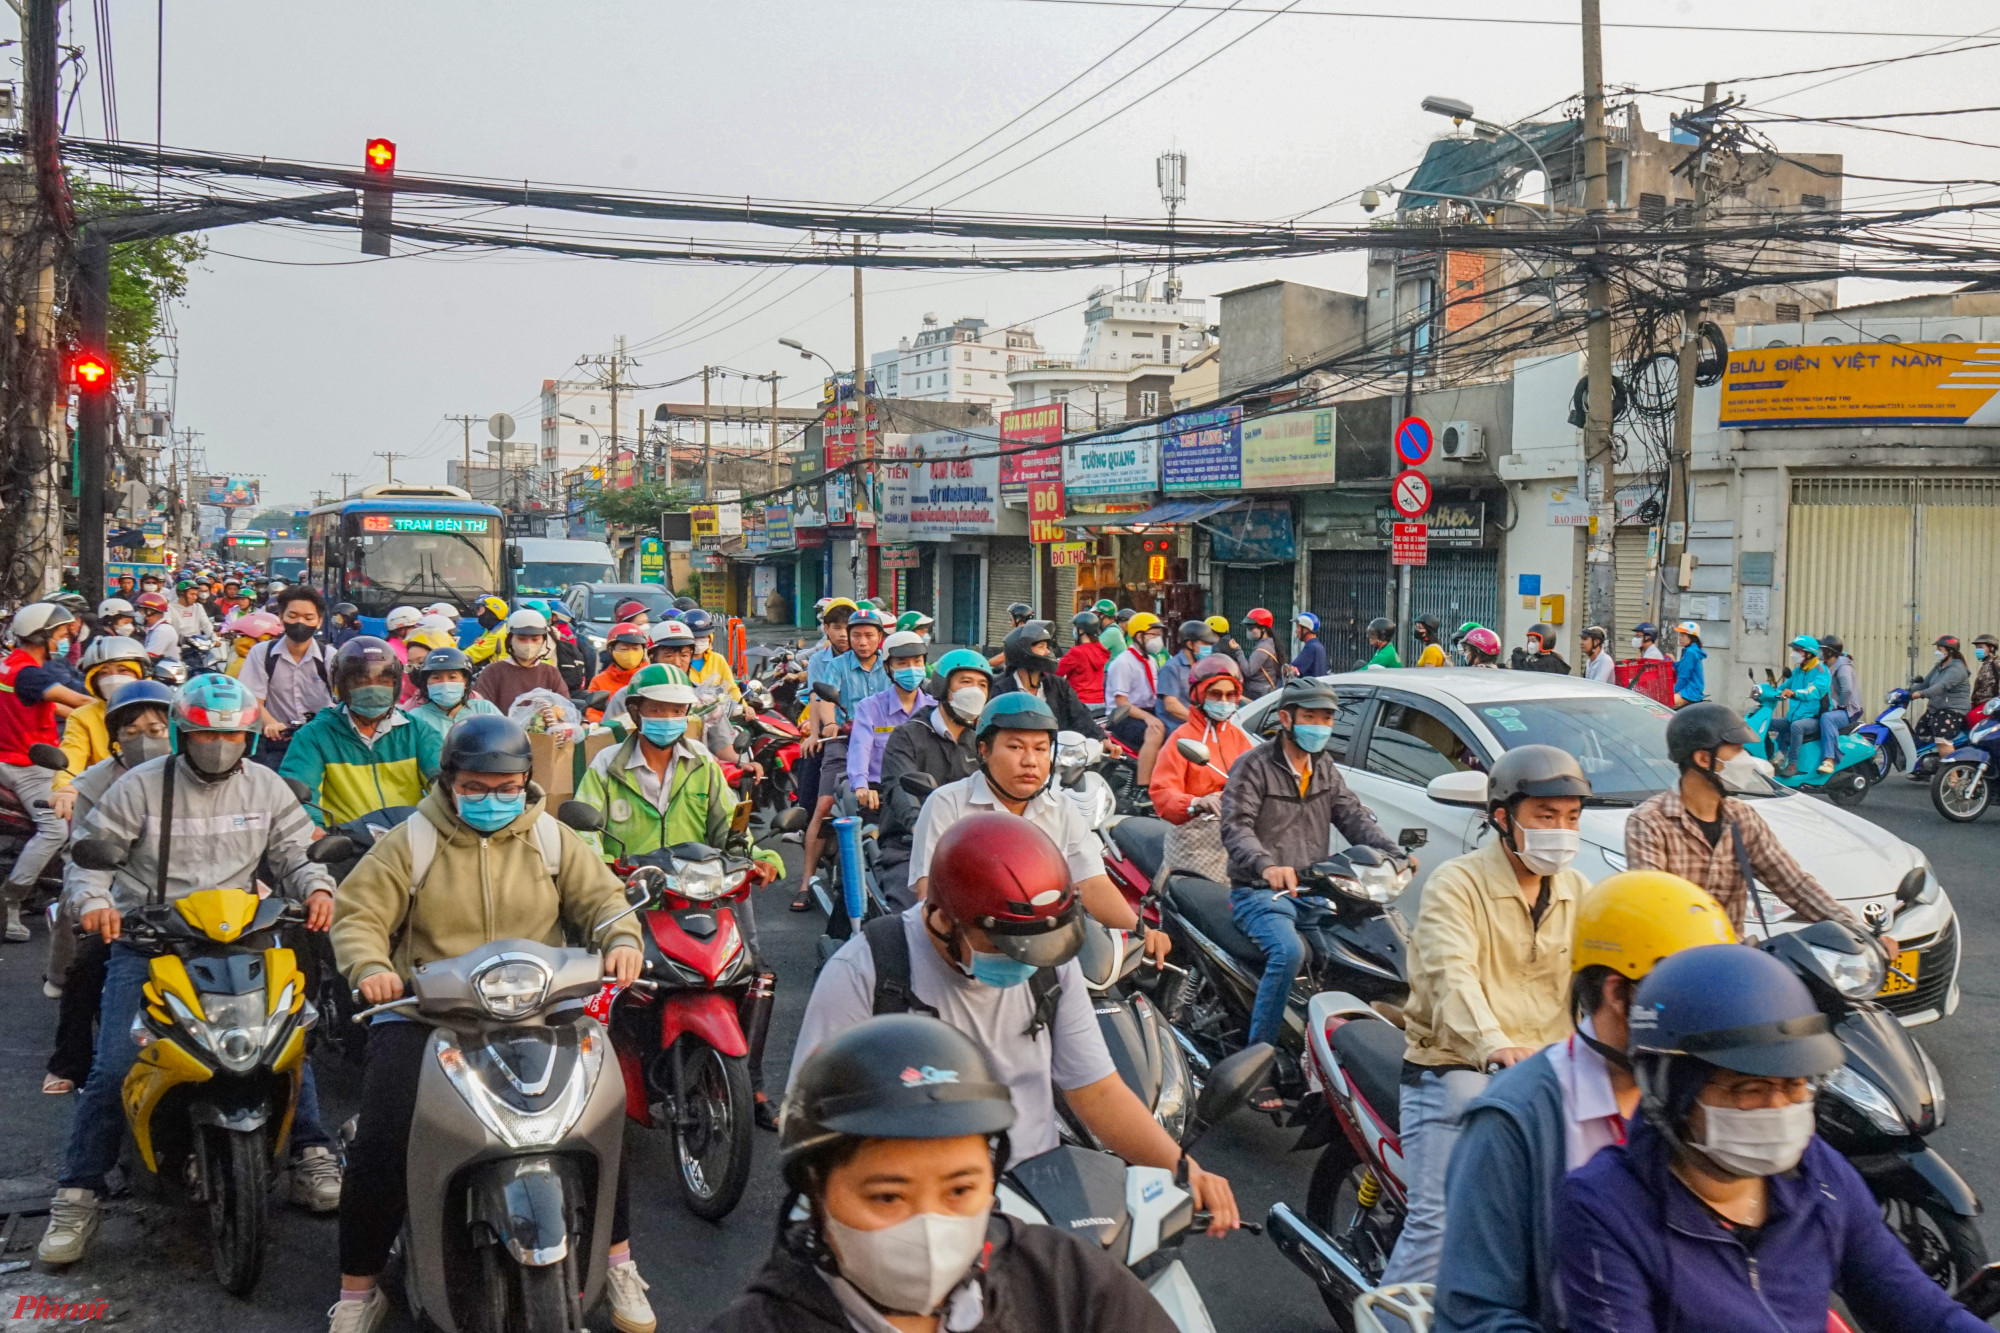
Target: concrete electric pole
x: 465, y: 420
x: 1600, y: 571
x: 1680, y: 477
x: 390, y: 460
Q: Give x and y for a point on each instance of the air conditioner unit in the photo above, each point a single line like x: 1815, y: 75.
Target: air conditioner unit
x: 1463, y: 440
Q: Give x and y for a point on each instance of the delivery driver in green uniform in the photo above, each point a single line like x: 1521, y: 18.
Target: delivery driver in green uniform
x: 661, y: 787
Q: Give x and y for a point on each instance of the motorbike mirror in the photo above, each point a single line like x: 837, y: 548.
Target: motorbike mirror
x: 793, y: 820
x: 823, y: 690
x: 1229, y: 1085
x: 1193, y: 751
x: 1412, y: 838
x: 918, y: 785
x: 1906, y: 892
x: 300, y: 792
x: 50, y: 757
x: 583, y: 818
x: 597, y: 699
x: 96, y: 854
x: 1466, y: 789
x: 645, y: 885
x: 333, y: 847
x: 1981, y: 1292
x: 1119, y: 714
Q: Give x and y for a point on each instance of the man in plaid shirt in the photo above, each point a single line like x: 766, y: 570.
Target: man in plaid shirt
x: 1691, y: 830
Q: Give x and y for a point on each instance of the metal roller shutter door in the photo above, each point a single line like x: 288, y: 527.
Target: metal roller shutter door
x: 1010, y: 578
x: 1633, y: 598
x: 1457, y: 586
x: 1065, y: 606
x: 1349, y: 589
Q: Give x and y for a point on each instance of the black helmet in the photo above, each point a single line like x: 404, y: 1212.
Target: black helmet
x: 1019, y: 612
x: 138, y: 695
x: 487, y: 743
x: 1086, y: 624
x: 1196, y: 631
x: 1830, y: 645
x: 1544, y: 631
x: 364, y: 658
x: 1534, y: 770
x: 1305, y: 692
x: 348, y: 609
x: 1427, y: 627
x: 1383, y: 628
x: 436, y: 660
x: 895, y: 1076
x: 1019, y: 646
x: 685, y: 603
x: 1707, y: 726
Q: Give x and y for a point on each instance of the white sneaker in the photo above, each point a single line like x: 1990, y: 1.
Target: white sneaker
x: 73, y: 1219
x: 51, y: 990
x: 316, y: 1181
x: 630, y: 1310
x: 796, y: 837
x: 17, y: 929
x: 359, y: 1316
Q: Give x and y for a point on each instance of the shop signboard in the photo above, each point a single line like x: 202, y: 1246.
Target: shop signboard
x: 1457, y: 523
x: 1259, y: 534
x: 1127, y: 463
x: 1045, y: 511
x: 705, y: 521
x: 652, y: 561
x: 940, y: 494
x: 1289, y: 451
x: 1861, y: 384
x: 901, y: 555
x: 1030, y: 425
x: 778, y: 527
x: 1203, y: 451
x: 729, y: 517
x: 1071, y: 553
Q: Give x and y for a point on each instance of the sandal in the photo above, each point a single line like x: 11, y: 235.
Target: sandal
x: 766, y: 1113
x: 1267, y: 1100
x: 56, y: 1086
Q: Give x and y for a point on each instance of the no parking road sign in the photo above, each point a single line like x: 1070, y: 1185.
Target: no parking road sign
x: 1410, y: 494
x: 1413, y: 441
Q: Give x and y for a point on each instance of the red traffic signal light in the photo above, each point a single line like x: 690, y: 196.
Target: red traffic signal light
x: 380, y: 157
x: 91, y: 371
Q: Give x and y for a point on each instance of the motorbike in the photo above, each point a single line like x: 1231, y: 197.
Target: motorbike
x: 340, y: 851
x: 1855, y: 758
x: 772, y: 740
x: 222, y: 1045
x: 1962, y: 786
x: 1896, y: 748
x: 1141, y: 1215
x: 201, y: 656
x: 17, y: 822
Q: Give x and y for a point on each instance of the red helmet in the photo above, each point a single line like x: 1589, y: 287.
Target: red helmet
x: 1208, y: 669
x: 627, y: 634
x: 150, y: 601
x: 1257, y: 615
x: 1002, y: 874
x: 631, y: 607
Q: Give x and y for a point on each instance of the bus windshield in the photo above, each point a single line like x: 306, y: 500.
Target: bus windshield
x: 406, y: 558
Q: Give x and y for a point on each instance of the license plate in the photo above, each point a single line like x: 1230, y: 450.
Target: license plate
x: 1906, y: 963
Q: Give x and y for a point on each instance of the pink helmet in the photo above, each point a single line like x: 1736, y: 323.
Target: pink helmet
x: 258, y: 625
x: 1485, y: 640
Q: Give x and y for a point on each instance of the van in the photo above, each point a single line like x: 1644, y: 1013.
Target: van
x: 550, y: 565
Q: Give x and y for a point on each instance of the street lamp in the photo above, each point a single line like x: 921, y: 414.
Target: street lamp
x: 1461, y: 112
x: 806, y: 354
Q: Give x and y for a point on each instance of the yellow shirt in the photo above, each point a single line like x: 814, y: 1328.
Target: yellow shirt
x: 715, y: 674
x: 85, y: 739
x: 1432, y: 656
x: 1482, y: 976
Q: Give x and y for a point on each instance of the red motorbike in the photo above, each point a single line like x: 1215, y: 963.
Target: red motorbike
x: 773, y: 742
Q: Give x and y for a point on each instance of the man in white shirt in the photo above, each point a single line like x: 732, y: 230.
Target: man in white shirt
x: 1128, y: 680
x: 187, y: 615
x: 162, y: 640
x: 292, y: 676
x: 1597, y: 664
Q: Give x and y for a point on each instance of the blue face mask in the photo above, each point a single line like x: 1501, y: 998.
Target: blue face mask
x: 490, y: 814
x: 446, y: 693
x: 694, y: 663
x: 371, y: 700
x: 1220, y: 710
x: 663, y: 731
x: 1202, y: 650
x: 1309, y: 738
x: 907, y: 678
x: 998, y: 970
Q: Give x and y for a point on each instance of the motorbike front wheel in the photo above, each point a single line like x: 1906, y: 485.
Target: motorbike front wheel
x: 236, y: 1167
x: 524, y: 1299
x: 1365, y: 1233
x: 1946, y: 1246
x: 712, y: 1133
x: 1961, y: 792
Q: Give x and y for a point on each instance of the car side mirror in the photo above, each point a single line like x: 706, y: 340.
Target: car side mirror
x: 51, y: 757
x: 1466, y: 789
x: 794, y: 820
x: 96, y: 854
x: 333, y: 847
x: 581, y: 817
x: 1193, y: 751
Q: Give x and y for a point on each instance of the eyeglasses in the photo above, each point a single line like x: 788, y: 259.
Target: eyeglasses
x: 518, y: 789
x: 1756, y: 1093
x: 1222, y: 696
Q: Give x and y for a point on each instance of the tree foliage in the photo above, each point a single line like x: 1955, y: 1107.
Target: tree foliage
x: 146, y: 276
x: 640, y: 504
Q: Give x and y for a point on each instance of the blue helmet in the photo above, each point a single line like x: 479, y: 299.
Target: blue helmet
x: 1308, y: 619
x: 1016, y: 710
x: 699, y: 621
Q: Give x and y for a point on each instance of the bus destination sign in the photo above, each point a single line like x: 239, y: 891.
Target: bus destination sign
x: 423, y: 523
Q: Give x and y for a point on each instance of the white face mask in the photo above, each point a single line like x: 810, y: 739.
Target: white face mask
x: 1740, y: 773
x: 1546, y: 851
x: 1798, y: 659
x: 911, y: 1267
x: 966, y: 703
x: 1939, y: 652
x: 1764, y: 1142
x: 1638, y: 642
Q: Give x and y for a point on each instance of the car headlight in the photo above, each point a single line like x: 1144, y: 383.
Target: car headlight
x: 1855, y: 975
x: 512, y: 986
x: 1870, y: 1100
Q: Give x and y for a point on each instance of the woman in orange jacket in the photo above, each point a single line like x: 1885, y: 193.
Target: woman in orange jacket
x: 625, y: 648
x: 1181, y: 790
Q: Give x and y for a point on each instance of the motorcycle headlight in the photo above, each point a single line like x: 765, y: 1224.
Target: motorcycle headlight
x: 1374, y: 884
x: 1172, y: 1110
x: 512, y: 986
x: 1936, y: 1080
x: 1855, y: 975
x: 237, y: 1030
x: 700, y: 881
x: 1870, y: 1100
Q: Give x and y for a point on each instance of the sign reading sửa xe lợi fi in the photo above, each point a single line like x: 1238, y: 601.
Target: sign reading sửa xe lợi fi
x: 1862, y: 384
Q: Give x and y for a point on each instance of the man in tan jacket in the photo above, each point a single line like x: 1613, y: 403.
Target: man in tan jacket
x: 1489, y: 974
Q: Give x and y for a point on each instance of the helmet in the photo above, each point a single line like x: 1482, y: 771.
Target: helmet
x: 1308, y: 620
x: 559, y: 614
x: 184, y: 585
x: 1426, y: 628
x: 1948, y: 642
x: 71, y: 602
x: 1220, y: 624
x: 660, y: 683
x: 911, y: 621
x: 1543, y: 631
x: 700, y: 622
x: 630, y: 607
x: 1830, y: 645
x: 1534, y: 770
x: 434, y: 632
x: 1140, y: 622
x: 1016, y: 710
x: 213, y: 702
x: 904, y: 643
x: 1705, y: 726
x: 1633, y: 919
x: 1207, y: 670
x: 259, y: 625
x: 134, y: 697
x: 486, y: 743
x: 862, y: 615
x: 106, y: 649
x: 1020, y: 642
x: 494, y: 607
x: 1305, y: 692
x: 113, y: 606
x: 1195, y: 631
x: 145, y: 601
x: 37, y: 619
x: 895, y: 1076
x: 686, y: 603
x: 1085, y: 624
x: 348, y: 609
x: 958, y: 659
x: 1985, y: 639
x: 1125, y: 614
x: 436, y: 660
x: 1483, y: 640
x: 365, y: 658
x: 1104, y: 606
x: 1689, y: 628
x: 1597, y: 632
x: 527, y: 621
x: 670, y: 634
x: 1807, y: 644
x: 402, y: 617
x: 1381, y: 627
x: 628, y: 634
x: 1257, y: 615
x: 827, y: 609
x: 1019, y: 611
x: 1004, y: 875
x: 450, y: 612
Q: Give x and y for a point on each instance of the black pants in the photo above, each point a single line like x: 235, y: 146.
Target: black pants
x: 76, y: 1017
x: 373, y: 1191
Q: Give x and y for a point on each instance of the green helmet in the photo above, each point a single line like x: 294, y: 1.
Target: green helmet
x: 660, y: 683
x: 1105, y: 607
x: 960, y: 659
x: 1016, y: 710
x: 912, y: 622
x: 1808, y: 644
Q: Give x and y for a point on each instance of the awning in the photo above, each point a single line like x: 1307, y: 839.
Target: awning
x: 1172, y: 514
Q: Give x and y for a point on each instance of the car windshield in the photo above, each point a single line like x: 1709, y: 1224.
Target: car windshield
x: 1620, y: 740
x: 604, y: 604
x: 548, y: 577
x: 288, y: 569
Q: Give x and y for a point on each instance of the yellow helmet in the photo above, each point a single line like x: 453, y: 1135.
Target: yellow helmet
x: 1140, y: 623
x: 1633, y: 919
x: 1220, y: 624
x: 495, y: 605
x: 836, y: 604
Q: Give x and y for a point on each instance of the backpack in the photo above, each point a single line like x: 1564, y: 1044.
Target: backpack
x: 423, y: 837
x: 890, y: 949
x: 277, y: 645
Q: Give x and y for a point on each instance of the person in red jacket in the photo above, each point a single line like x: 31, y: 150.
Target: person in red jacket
x: 1181, y: 790
x: 1083, y: 665
x: 30, y: 695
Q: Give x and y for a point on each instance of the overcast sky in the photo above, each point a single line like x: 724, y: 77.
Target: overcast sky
x: 298, y: 362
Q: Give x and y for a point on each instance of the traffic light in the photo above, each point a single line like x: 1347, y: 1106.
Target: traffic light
x: 91, y: 371
x: 378, y: 159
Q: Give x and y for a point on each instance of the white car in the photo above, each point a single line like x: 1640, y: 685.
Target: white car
x: 1398, y: 732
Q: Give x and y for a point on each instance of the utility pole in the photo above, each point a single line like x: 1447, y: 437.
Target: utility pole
x: 861, y: 450
x: 1600, y: 572
x: 1680, y: 476
x: 345, y: 478
x: 615, y: 384
x: 40, y: 217
x: 707, y: 442
x: 390, y: 459
x: 465, y: 419
x: 773, y: 380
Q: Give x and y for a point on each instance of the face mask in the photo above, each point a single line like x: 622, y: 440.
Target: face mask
x: 121, y: 628
x: 966, y: 704
x: 1799, y: 659
x: 1546, y: 851
x: 1202, y: 650
x: 1739, y: 773
x: 998, y: 970
x: 369, y: 701
x: 628, y: 657
x: 1312, y: 739
x: 1150, y: 642
x: 911, y: 1267
x: 109, y: 685
x: 299, y: 631
x: 663, y: 731
x: 1638, y: 642
x: 524, y: 653
x: 1763, y: 1142
x: 212, y: 756
x: 138, y: 749
x: 1938, y: 653
x: 446, y: 693
x: 1979, y: 653
x: 1219, y: 709
x: 907, y: 678
x: 490, y: 813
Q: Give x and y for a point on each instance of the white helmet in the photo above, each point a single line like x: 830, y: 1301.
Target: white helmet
x: 671, y: 633
x: 904, y: 644
x: 402, y: 617
x: 113, y: 606
x: 445, y: 609
x: 110, y: 648
x: 527, y: 621
x: 446, y: 624
x: 40, y: 618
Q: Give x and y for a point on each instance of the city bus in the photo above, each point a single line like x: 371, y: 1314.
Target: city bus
x: 285, y: 558
x: 404, y: 545
x: 247, y: 546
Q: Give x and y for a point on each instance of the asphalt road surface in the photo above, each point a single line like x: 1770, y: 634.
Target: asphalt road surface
x: 151, y: 1265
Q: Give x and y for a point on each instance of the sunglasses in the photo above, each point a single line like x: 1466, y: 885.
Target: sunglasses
x: 1222, y: 696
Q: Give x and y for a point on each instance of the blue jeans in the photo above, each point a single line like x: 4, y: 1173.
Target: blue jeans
x: 99, y: 1126
x: 1831, y: 723
x: 1275, y: 923
x: 1430, y: 1116
x: 1797, y: 732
